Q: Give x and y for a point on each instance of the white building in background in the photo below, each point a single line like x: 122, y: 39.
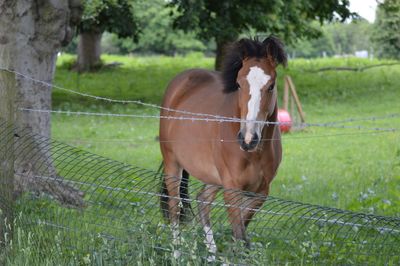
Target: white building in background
x: 361, y: 54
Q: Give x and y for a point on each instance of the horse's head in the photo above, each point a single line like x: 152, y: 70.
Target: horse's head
x: 250, y: 69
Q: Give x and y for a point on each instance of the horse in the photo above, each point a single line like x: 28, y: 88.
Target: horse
x: 233, y: 155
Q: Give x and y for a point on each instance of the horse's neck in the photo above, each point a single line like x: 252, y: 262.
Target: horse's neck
x: 230, y: 106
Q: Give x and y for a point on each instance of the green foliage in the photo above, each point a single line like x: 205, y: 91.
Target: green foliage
x: 309, y: 48
x: 336, y: 39
x: 387, y: 29
x: 225, y: 20
x: 109, y: 15
x: 350, y: 37
x: 157, y: 35
x: 143, y: 78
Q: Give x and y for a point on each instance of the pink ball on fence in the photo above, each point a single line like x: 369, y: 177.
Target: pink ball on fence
x: 285, y: 119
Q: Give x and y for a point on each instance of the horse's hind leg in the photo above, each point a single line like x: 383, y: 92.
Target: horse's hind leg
x: 173, y: 174
x: 205, y: 198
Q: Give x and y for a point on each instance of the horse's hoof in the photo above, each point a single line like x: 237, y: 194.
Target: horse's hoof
x: 177, y: 254
x: 211, y: 258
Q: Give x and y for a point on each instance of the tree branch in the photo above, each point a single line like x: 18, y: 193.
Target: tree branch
x: 356, y: 69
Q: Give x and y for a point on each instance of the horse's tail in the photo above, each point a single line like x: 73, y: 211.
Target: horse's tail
x: 186, y: 212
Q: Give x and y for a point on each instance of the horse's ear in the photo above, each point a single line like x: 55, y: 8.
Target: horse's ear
x: 275, y: 51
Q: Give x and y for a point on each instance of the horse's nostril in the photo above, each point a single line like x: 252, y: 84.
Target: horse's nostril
x: 251, y: 144
x: 240, y: 136
x: 255, y: 138
x: 254, y: 141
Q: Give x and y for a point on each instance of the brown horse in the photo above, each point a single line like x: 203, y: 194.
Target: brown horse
x: 244, y: 90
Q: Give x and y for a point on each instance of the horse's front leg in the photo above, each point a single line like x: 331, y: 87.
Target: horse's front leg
x: 234, y: 202
x: 205, y: 198
x: 253, y: 203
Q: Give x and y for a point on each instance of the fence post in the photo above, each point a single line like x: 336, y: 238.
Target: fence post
x: 296, y: 99
x: 286, y: 95
x: 7, y: 117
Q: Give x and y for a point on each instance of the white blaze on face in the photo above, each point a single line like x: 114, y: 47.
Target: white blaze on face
x: 257, y: 79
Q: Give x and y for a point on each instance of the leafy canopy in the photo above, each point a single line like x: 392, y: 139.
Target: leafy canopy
x: 387, y: 29
x: 157, y: 35
x: 226, y: 19
x: 109, y: 15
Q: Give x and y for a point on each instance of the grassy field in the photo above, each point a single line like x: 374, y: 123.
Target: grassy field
x: 356, y: 169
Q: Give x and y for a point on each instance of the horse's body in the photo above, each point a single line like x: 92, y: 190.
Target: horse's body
x: 208, y: 150
x: 214, y: 152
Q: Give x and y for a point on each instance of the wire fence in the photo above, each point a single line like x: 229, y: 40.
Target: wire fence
x: 96, y: 209
x: 333, y: 124
x: 137, y: 141
x: 191, y: 116
x: 119, y: 220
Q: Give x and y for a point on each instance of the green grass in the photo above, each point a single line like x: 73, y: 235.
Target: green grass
x: 344, y: 168
x: 138, y: 78
x: 353, y: 169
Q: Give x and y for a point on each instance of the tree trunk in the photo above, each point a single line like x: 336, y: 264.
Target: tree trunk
x: 7, y: 94
x: 31, y: 34
x: 89, y: 51
x: 7, y: 118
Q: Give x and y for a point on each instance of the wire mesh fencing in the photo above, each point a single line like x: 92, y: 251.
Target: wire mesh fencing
x: 87, y: 209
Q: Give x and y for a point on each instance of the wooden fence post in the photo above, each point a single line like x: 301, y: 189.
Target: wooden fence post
x: 286, y: 95
x: 296, y: 99
x: 7, y: 117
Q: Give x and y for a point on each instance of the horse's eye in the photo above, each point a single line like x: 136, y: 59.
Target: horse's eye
x: 237, y: 85
x: 271, y: 87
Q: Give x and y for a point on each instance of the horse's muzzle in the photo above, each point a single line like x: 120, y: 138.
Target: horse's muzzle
x: 250, y: 146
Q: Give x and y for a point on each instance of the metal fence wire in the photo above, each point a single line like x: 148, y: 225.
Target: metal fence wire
x: 120, y: 223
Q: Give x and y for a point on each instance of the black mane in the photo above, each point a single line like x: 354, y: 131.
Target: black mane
x: 271, y: 47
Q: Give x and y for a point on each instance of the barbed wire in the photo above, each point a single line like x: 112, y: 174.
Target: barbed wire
x: 219, y: 120
x: 208, y: 117
x: 371, y: 118
x: 137, y: 102
x: 156, y: 140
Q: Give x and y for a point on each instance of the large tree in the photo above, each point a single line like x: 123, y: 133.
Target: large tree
x: 224, y: 20
x: 387, y: 29
x: 99, y: 16
x: 31, y: 34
